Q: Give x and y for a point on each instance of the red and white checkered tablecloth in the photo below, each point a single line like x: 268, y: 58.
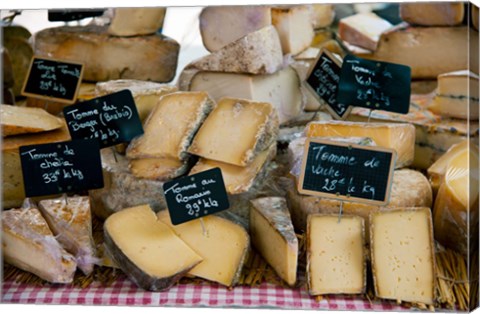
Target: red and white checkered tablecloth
x: 124, y: 293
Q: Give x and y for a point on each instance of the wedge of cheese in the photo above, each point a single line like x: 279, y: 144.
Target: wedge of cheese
x: 170, y: 127
x: 363, y: 29
x: 402, y: 255
x: 16, y: 120
x: 336, y: 259
x: 322, y: 15
x: 273, y: 236
x: 236, y: 131
x: 222, y: 244
x: 152, y: 57
x: 146, y: 249
x: 281, y: 89
x: 146, y: 94
x: 221, y: 25
x: 433, y: 14
x: 160, y: 169
x: 398, y: 136
x: 136, y: 21
x: 28, y: 243
x: 70, y: 220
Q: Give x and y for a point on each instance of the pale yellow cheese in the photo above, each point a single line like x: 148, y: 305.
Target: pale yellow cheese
x: 136, y: 21
x: 362, y: 29
x: 20, y: 120
x: 452, y: 107
x: 433, y: 14
x: 336, y: 259
x: 222, y: 244
x: 402, y: 255
x: 160, y: 169
x: 322, y: 15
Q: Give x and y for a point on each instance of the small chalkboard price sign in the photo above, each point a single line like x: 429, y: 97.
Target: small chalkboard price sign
x: 111, y: 119
x: 375, y: 85
x: 196, y: 196
x: 323, y: 79
x: 72, y: 15
x: 55, y: 80
x: 61, y: 167
x: 347, y: 172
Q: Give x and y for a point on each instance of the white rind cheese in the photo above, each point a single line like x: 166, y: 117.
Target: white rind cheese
x: 136, y: 21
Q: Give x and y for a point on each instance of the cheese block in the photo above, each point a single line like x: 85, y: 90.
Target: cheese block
x: 146, y: 94
x: 170, y: 127
x: 221, y: 25
x: 70, y: 220
x: 15, y: 30
x: 363, y: 29
x: 222, y: 244
x: 160, y: 169
x: 28, y: 243
x: 410, y: 188
x: 8, y: 79
x: 12, y: 178
x: 457, y: 95
x: 294, y: 27
x: 456, y: 203
x: 238, y: 179
x: 136, y: 21
x: 20, y: 120
x: 273, y: 236
x: 399, y: 137
x: 236, y: 131
x: 122, y: 189
x: 21, y: 53
x: 146, y: 249
x: 258, y: 52
x: 281, y: 89
x: 433, y: 14
x: 153, y: 57
x: 322, y: 15
x: 402, y: 255
x: 336, y: 259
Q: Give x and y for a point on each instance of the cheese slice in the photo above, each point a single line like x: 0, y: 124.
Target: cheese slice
x: 146, y: 249
x: 397, y: 136
x: 322, y: 15
x: 136, y: 21
x: 273, y: 236
x: 70, y: 220
x: 433, y: 14
x: 221, y: 25
x: 20, y: 120
x: 238, y: 179
x: 362, y: 29
x: 336, y: 259
x: 281, y: 89
x: 293, y: 24
x: 170, y: 127
x: 146, y: 94
x: 28, y: 243
x: 236, y: 131
x: 152, y: 57
x: 402, y: 255
x: 161, y: 169
x: 222, y: 244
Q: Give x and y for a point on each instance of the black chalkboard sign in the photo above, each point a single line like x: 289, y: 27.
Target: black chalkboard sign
x: 72, y: 15
x: 111, y: 119
x: 375, y: 85
x: 323, y: 79
x: 56, y: 80
x: 61, y: 167
x: 347, y: 172
x: 196, y: 196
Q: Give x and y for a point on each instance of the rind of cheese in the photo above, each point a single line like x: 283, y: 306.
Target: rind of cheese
x: 153, y: 57
x: 136, y: 21
x: 221, y: 25
x: 145, y: 93
x: 397, y: 136
x: 159, y: 169
x: 236, y: 131
x: 16, y: 120
x: 7, y: 70
x: 322, y: 15
x: 70, y: 219
x: 363, y: 29
x: 223, y: 246
x: 336, y: 259
x: 28, y: 243
x: 432, y: 14
x: 273, y: 236
x: 21, y: 53
x: 402, y: 255
x: 238, y: 179
x: 458, y: 84
x: 170, y: 127
x: 146, y: 249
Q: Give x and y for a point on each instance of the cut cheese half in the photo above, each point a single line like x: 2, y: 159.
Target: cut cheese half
x: 362, y: 30
x: 136, y: 21
x: 20, y: 120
